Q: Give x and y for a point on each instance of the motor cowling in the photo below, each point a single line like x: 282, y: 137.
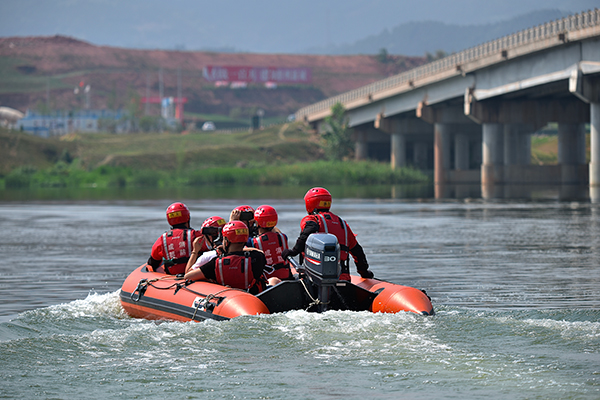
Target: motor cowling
x: 322, y: 258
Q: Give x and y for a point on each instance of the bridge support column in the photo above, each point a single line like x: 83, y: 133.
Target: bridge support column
x: 511, y: 144
x: 517, y: 152
x: 420, y: 154
x: 461, y: 152
x: 493, y: 154
x: 595, y: 145
x: 441, y: 153
x: 571, y: 152
x: 361, y: 147
x: 398, y: 151
x: 524, y: 146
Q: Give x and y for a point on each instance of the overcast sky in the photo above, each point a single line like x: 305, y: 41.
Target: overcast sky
x: 263, y: 26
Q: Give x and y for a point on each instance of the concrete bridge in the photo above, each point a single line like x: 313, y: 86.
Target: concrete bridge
x: 470, y: 116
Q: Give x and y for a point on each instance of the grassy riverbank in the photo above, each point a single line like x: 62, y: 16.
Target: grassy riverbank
x: 281, y: 155
x: 286, y: 154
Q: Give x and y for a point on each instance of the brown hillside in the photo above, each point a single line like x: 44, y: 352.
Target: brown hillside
x: 31, y: 65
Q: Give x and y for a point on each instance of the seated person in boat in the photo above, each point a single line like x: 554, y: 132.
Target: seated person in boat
x: 246, y: 215
x: 205, y: 246
x: 321, y: 220
x: 174, y: 247
x: 239, y: 266
x: 272, y: 242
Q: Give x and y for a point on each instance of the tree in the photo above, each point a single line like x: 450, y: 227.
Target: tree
x: 383, y: 56
x: 439, y: 54
x: 338, y: 143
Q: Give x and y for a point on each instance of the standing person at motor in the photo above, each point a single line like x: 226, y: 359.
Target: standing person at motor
x: 272, y: 243
x: 320, y: 219
x: 238, y: 267
x: 173, y: 248
x: 206, y: 244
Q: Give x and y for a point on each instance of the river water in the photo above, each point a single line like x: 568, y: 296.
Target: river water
x: 515, y: 284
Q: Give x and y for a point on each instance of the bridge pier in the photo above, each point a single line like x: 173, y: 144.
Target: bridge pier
x: 403, y: 131
x: 517, y: 153
x: 398, y: 150
x: 595, y: 144
x: 493, y: 154
x: 461, y: 152
x: 361, y: 147
x: 517, y: 144
x: 594, y: 152
x: 441, y: 153
x: 420, y: 154
x: 571, y: 152
x: 455, y: 139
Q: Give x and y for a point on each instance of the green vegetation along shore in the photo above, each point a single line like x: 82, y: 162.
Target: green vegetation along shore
x: 286, y: 154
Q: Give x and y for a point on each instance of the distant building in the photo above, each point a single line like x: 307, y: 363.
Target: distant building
x: 9, y: 117
x: 61, y: 122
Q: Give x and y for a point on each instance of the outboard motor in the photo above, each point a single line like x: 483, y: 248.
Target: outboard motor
x: 322, y: 265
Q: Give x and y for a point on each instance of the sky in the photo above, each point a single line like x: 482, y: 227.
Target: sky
x: 259, y: 26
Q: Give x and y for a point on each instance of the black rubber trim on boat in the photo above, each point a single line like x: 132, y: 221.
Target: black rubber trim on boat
x: 171, y: 308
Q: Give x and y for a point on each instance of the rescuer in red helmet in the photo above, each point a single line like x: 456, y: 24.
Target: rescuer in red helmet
x: 245, y: 214
x: 204, y: 247
x: 238, y: 267
x: 272, y: 242
x: 320, y: 219
x: 174, y: 247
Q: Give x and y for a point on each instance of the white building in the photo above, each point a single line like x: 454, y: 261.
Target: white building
x: 61, y: 123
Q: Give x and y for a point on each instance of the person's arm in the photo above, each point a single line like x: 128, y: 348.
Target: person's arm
x: 196, y: 250
x: 156, y: 255
x: 204, y: 259
x: 195, y: 275
x: 153, y: 263
x: 202, y: 273
x: 309, y: 228
x: 259, y: 262
x: 360, y: 259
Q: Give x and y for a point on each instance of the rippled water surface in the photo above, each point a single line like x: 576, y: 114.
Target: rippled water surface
x: 516, y: 287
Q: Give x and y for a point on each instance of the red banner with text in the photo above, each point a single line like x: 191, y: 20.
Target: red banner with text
x: 257, y: 74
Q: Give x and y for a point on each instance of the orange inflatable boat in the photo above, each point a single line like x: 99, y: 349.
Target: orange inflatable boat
x: 154, y: 295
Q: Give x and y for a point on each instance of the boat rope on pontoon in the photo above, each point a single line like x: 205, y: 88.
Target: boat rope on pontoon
x: 144, y: 283
x: 204, y: 304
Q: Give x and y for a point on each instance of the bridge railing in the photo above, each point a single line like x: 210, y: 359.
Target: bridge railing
x: 454, y: 61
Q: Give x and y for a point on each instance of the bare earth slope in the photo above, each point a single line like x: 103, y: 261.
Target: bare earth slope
x: 33, y: 69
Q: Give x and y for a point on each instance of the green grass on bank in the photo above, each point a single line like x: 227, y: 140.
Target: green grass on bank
x: 73, y: 175
x: 286, y: 154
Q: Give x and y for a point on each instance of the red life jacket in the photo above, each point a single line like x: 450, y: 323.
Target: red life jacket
x: 177, y: 246
x: 235, y: 271
x: 273, y: 244
x: 331, y: 223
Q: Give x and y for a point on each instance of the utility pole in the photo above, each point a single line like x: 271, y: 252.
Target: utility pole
x: 47, y: 94
x: 160, y: 84
x: 147, y: 105
x: 161, y: 95
x: 179, y: 104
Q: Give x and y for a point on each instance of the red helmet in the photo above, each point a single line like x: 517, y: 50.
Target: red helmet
x: 215, y: 221
x: 317, y: 198
x: 265, y: 216
x: 244, y: 208
x: 236, y: 232
x: 177, y: 213
x: 246, y: 213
